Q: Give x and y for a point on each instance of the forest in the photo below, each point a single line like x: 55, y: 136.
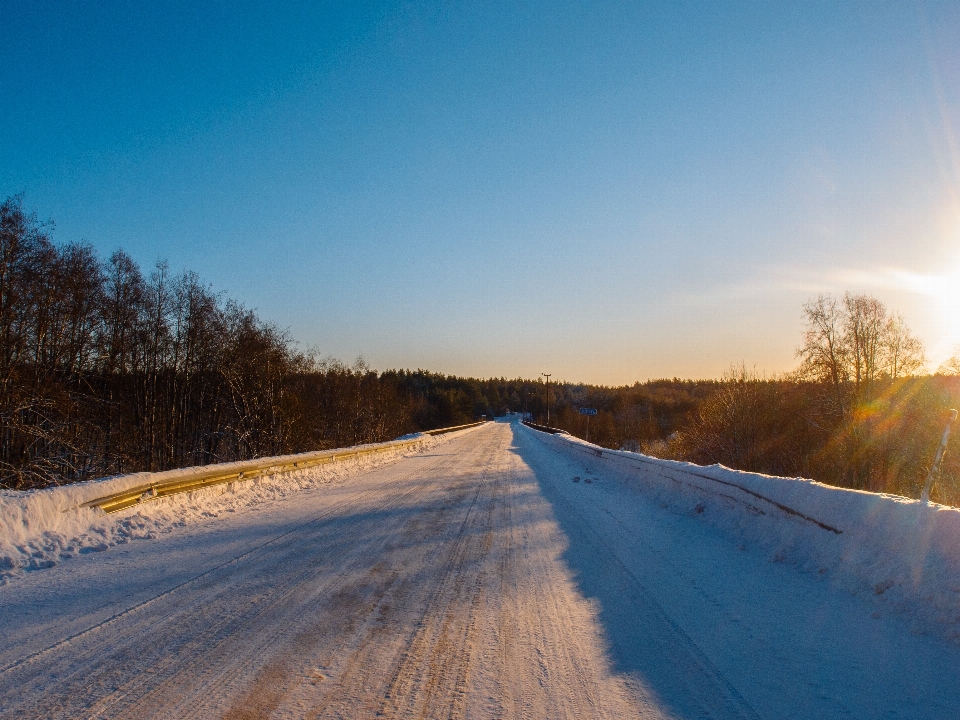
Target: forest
x: 106, y: 369
x: 854, y: 413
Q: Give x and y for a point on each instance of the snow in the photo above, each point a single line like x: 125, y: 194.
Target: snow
x: 40, y: 528
x: 904, y: 550
x: 479, y: 578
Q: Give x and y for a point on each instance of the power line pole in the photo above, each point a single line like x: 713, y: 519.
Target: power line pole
x: 547, y: 376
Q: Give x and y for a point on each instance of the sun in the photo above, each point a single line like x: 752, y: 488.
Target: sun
x: 944, y: 290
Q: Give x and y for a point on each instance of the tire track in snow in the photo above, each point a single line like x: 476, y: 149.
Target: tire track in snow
x: 713, y: 694
x: 415, y: 610
x: 293, y: 597
x: 213, y: 615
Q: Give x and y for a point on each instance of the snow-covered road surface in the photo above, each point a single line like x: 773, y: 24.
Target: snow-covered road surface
x: 476, y: 579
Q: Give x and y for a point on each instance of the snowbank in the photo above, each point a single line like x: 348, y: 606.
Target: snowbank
x: 901, y: 549
x: 39, y: 528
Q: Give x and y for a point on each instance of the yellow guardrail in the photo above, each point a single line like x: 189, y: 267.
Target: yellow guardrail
x: 217, y: 475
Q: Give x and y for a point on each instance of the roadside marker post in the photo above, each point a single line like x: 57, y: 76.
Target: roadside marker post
x: 932, y: 475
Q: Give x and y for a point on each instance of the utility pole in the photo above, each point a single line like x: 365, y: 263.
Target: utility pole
x: 547, y: 376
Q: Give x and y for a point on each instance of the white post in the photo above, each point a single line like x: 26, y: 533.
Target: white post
x: 932, y: 475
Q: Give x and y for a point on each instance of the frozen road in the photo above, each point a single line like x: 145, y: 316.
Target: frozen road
x: 474, y: 580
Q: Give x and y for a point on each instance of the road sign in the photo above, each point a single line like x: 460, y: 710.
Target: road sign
x: 588, y: 411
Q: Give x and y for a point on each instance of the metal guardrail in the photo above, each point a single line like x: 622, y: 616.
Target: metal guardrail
x: 216, y: 475
x: 441, y: 431
x: 545, y: 428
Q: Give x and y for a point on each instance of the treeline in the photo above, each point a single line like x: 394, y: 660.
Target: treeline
x: 853, y: 413
x: 780, y: 426
x: 105, y: 369
x: 788, y: 427
x: 633, y: 417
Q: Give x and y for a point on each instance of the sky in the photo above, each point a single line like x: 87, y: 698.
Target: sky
x: 605, y: 191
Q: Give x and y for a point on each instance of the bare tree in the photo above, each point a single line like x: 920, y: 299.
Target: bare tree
x: 950, y: 366
x: 904, y: 353
x: 852, y: 343
x: 824, y: 354
x: 124, y: 299
x: 854, y: 346
x: 864, y: 325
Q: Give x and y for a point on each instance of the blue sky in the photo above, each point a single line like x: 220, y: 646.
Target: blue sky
x: 607, y: 191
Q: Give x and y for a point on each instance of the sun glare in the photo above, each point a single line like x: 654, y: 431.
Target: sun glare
x: 942, y: 293
x: 944, y: 290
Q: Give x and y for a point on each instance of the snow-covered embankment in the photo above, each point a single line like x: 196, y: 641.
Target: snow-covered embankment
x: 39, y: 528
x: 906, y: 551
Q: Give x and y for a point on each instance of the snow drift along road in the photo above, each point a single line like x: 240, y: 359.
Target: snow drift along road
x: 39, y: 528
x: 501, y: 574
x: 862, y: 542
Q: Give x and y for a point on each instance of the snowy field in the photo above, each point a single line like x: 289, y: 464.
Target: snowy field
x: 495, y: 572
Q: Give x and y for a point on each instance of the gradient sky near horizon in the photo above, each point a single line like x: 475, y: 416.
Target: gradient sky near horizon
x: 606, y: 191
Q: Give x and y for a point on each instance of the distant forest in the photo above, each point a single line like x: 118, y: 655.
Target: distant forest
x: 853, y: 413
x: 107, y: 369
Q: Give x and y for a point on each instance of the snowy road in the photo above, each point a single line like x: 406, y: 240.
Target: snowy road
x: 474, y: 580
